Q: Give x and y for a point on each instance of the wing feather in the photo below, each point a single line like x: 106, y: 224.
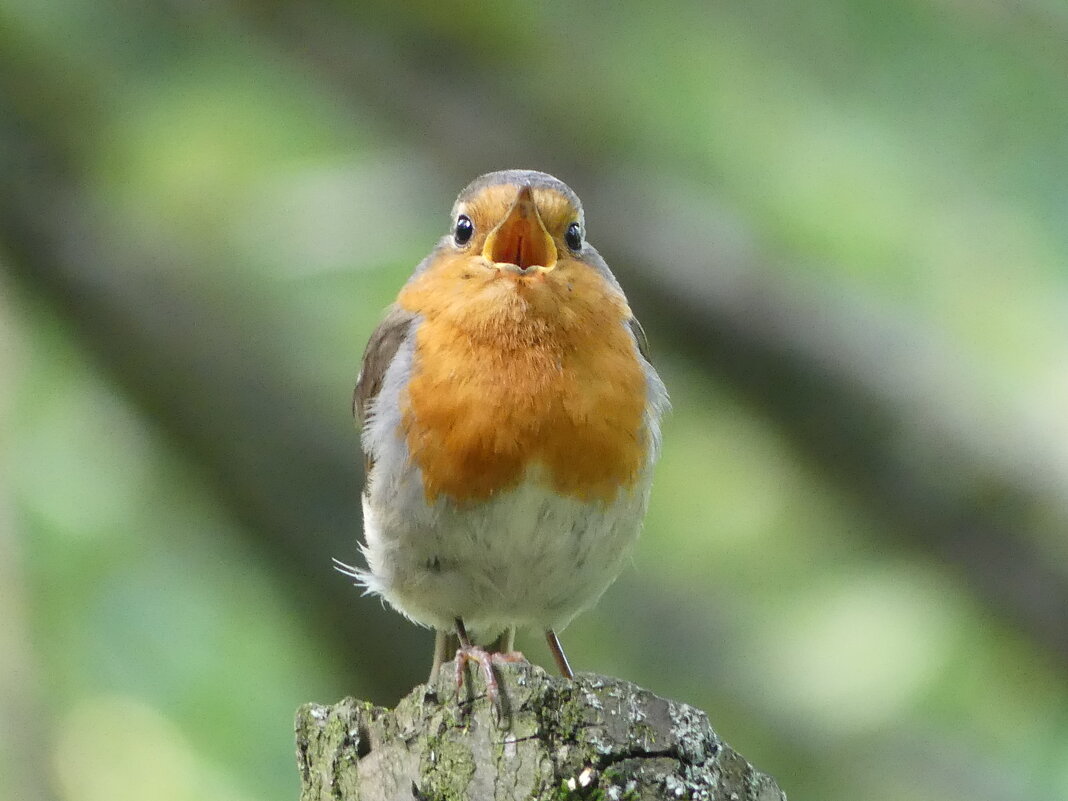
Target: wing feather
x: 639, y: 335
x: 377, y: 356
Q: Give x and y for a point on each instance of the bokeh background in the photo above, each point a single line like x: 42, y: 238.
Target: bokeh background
x: 842, y: 223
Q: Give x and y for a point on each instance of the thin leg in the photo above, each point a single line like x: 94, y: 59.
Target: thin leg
x: 445, y: 645
x: 461, y: 632
x: 502, y: 650
x: 558, y: 654
x: 505, y: 643
x: 469, y: 652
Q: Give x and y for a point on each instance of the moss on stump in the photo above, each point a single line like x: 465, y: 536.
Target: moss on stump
x: 592, y: 739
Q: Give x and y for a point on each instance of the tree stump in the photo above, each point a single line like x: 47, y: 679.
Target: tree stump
x: 594, y: 738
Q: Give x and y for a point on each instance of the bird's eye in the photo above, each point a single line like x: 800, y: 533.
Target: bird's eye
x: 573, y: 237
x: 464, y: 230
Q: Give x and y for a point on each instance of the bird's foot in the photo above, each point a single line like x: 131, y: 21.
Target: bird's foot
x: 508, y: 657
x: 484, y: 659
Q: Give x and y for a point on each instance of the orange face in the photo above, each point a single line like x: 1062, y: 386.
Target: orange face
x: 523, y: 357
x: 519, y: 229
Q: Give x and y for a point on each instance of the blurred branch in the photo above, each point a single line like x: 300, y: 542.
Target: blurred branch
x: 838, y: 381
x: 845, y: 383
x: 214, y: 383
x: 24, y: 717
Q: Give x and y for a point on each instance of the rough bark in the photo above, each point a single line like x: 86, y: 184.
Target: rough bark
x: 545, y: 738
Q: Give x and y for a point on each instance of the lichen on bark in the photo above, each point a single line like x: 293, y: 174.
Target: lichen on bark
x: 545, y: 739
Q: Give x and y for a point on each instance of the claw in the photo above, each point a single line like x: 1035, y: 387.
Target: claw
x: 469, y: 652
x: 484, y: 660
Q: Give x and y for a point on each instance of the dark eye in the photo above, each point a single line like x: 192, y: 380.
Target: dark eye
x: 464, y: 229
x: 573, y: 237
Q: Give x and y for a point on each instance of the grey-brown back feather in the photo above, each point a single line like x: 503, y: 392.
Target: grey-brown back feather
x: 380, y: 350
x: 639, y: 335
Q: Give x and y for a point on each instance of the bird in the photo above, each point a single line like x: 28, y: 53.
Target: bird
x: 510, y: 423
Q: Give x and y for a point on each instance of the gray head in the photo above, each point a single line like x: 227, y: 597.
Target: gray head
x: 519, y: 178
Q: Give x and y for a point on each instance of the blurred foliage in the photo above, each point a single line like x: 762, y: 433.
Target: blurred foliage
x: 909, y: 157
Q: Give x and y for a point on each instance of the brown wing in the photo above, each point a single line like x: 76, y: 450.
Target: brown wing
x: 639, y: 334
x: 380, y: 350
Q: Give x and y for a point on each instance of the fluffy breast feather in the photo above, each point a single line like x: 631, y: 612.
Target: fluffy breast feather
x: 512, y: 371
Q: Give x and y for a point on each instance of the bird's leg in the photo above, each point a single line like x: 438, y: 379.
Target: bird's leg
x: 502, y: 649
x: 558, y: 654
x: 445, y: 645
x: 439, y: 653
x: 469, y: 652
x: 504, y: 643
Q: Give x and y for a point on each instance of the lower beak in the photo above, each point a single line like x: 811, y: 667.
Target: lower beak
x: 521, y: 241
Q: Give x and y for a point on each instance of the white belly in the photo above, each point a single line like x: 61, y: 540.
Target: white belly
x: 526, y: 557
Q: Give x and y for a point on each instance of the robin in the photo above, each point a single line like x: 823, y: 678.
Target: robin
x: 510, y: 424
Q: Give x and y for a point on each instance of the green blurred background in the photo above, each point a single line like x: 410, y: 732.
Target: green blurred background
x: 842, y: 223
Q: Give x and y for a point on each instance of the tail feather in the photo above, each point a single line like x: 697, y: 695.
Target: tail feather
x: 361, y: 578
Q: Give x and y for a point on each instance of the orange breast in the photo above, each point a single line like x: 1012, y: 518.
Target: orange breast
x: 512, y: 371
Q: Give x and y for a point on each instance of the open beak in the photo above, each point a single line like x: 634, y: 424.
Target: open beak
x: 520, y: 242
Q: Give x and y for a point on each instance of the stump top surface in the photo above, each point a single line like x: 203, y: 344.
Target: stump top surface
x: 594, y: 738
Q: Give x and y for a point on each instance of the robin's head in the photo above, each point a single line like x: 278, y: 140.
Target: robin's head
x: 516, y: 250
x: 519, y: 222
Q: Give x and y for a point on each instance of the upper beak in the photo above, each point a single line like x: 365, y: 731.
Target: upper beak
x: 520, y: 240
